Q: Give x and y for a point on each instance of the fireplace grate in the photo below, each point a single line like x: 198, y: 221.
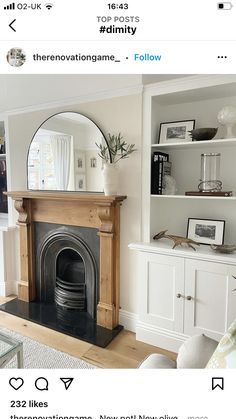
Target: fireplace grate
x: 70, y: 295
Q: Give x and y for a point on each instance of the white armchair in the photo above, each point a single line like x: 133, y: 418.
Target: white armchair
x: 195, y: 352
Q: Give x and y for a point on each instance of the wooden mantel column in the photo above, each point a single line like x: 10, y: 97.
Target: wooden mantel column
x: 26, y: 285
x: 109, y: 295
x: 75, y: 209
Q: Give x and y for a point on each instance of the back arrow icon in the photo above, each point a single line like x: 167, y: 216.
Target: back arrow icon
x: 10, y: 25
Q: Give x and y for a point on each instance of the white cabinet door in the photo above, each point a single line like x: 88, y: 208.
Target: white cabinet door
x: 210, y: 304
x: 161, y: 291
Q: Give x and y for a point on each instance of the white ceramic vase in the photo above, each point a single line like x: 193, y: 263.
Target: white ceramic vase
x: 110, y: 179
x: 227, y: 117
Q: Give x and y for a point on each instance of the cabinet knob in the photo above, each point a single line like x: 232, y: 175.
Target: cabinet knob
x: 178, y: 295
x: 189, y: 298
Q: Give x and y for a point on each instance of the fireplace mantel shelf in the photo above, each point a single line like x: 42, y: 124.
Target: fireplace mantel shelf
x: 93, y: 210
x: 96, y: 198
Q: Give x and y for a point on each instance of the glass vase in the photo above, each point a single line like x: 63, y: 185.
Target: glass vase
x: 210, y: 173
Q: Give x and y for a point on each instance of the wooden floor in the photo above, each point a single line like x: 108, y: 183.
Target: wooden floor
x: 123, y: 352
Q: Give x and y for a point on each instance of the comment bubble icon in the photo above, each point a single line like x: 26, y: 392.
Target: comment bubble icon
x: 41, y: 384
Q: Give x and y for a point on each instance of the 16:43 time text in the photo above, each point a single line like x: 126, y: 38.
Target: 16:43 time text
x: 115, y: 6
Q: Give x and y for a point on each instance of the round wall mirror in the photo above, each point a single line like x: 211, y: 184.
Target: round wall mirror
x: 63, y: 155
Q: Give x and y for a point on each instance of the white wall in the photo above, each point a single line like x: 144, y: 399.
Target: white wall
x: 9, y: 257
x: 121, y: 114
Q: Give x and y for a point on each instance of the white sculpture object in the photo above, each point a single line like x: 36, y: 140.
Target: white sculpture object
x: 227, y: 117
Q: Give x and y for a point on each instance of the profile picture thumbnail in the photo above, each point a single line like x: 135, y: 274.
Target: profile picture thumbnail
x: 16, y: 57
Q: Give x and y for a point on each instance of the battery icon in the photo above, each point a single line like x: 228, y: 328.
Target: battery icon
x: 226, y: 5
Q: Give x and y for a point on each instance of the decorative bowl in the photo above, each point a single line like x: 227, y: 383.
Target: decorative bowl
x: 223, y: 248
x: 203, y: 134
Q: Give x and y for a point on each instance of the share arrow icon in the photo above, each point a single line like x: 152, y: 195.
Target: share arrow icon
x: 67, y: 382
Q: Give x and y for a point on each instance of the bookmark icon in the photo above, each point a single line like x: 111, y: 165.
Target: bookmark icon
x: 217, y: 382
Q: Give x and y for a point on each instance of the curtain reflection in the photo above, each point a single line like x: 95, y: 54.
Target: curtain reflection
x: 61, y: 151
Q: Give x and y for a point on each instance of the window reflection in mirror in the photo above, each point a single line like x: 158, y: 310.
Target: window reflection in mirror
x: 63, y: 155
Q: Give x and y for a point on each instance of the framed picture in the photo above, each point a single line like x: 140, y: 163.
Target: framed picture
x: 80, y: 182
x: 79, y: 161
x: 176, y: 132
x: 93, y: 162
x: 206, y: 231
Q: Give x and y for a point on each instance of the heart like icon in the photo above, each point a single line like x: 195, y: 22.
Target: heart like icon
x: 16, y: 383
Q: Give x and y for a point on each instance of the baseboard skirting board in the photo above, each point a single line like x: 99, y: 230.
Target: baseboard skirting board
x: 165, y: 339
x: 3, y: 287
x: 153, y: 335
x: 8, y: 288
x: 128, y: 320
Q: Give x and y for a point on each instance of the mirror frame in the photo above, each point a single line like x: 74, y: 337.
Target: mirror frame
x: 32, y: 139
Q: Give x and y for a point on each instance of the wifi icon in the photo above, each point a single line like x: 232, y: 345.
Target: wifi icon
x: 49, y: 6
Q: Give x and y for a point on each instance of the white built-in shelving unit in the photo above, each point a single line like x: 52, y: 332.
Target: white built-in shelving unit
x: 183, y: 292
x: 199, y: 98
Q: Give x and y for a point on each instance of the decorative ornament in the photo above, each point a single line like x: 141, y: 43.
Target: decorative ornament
x: 178, y: 240
x: 227, y: 117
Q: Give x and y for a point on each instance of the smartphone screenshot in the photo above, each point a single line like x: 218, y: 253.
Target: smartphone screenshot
x: 117, y: 209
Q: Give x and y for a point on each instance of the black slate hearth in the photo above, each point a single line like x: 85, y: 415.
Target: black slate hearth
x: 77, y: 324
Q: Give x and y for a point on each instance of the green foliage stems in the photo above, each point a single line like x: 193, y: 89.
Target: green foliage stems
x: 115, y: 149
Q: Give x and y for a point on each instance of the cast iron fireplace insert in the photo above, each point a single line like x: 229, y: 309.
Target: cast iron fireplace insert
x: 67, y: 272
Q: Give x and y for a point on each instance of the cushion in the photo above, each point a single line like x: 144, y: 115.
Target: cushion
x: 225, y: 353
x: 157, y: 361
x: 196, y: 352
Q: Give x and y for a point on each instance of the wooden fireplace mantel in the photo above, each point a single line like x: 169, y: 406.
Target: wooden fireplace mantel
x: 75, y: 209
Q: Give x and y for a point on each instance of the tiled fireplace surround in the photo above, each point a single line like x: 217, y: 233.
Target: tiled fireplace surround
x: 69, y: 212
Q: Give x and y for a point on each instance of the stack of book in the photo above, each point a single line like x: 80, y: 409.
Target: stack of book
x: 159, y: 168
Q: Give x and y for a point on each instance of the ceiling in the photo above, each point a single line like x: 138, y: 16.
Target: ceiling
x: 19, y: 91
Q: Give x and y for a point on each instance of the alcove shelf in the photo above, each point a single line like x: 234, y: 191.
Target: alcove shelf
x: 198, y: 98
x: 203, y: 252
x: 208, y: 198
x: 227, y: 142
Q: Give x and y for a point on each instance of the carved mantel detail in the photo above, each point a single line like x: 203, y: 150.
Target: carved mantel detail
x: 106, y: 215
x: 84, y: 210
x: 22, y: 209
